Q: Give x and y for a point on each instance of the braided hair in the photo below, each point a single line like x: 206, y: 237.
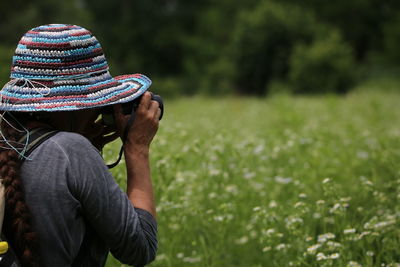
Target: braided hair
x: 17, y: 226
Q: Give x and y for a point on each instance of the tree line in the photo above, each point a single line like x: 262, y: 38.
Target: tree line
x: 221, y: 47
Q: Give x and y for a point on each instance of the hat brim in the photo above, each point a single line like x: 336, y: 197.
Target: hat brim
x: 59, y: 97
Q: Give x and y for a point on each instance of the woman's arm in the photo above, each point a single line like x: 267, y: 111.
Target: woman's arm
x: 136, y: 150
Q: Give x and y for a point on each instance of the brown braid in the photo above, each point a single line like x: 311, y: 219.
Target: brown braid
x: 17, y: 220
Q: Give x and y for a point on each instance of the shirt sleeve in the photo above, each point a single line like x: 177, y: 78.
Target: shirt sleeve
x: 131, y: 233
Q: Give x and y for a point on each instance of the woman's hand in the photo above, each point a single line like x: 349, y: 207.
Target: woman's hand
x: 144, y: 128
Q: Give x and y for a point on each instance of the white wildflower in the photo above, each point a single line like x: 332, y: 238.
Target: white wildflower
x: 242, y: 240
x: 326, y: 180
x: 299, y: 204
x: 218, y: 218
x: 249, y: 175
x: 279, y: 235
x: 214, y: 172
x: 212, y: 195
x: 368, y: 182
x: 268, y: 248
x: 161, y: 257
x: 174, y: 226
x: 370, y: 253
x: 313, y: 249
x: 255, y: 209
x: 349, y: 231
x: 293, y: 222
x: 317, y: 215
x: 383, y: 224
x: 281, y: 180
x: 270, y: 231
x: 321, y: 256
x: 258, y: 149
x: 335, y: 207
x: 334, y: 256
x: 333, y: 245
x: 273, y: 204
x: 353, y: 264
x: 345, y: 199
x: 364, y: 234
x: 232, y: 189
x: 281, y: 246
x: 191, y: 259
x: 323, y: 238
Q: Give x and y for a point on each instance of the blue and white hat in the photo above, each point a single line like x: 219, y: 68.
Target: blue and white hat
x: 60, y: 67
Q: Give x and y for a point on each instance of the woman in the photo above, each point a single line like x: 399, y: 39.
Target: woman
x: 63, y: 207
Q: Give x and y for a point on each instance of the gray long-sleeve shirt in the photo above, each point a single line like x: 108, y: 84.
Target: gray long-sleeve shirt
x: 78, y: 208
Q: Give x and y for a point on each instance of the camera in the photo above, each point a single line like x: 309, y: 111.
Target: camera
x: 127, y: 108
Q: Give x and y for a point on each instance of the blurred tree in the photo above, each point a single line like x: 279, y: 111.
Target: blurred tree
x: 324, y: 66
x: 392, y: 39
x: 264, y: 39
x: 144, y: 35
x: 360, y: 21
x: 208, y: 46
x: 208, y: 63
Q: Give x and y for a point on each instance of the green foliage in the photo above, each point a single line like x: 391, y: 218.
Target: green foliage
x: 326, y: 65
x: 20, y: 16
x: 392, y: 39
x: 264, y: 40
x: 6, y: 54
x: 360, y: 22
x: 210, y: 47
x: 242, y: 181
x: 208, y: 65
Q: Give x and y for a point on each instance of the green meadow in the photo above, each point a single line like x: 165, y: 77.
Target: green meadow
x: 278, y: 181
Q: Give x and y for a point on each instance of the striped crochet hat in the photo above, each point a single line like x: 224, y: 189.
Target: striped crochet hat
x: 59, y: 67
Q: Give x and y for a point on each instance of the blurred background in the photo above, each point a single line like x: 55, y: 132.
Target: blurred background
x: 303, y: 170
x: 253, y: 47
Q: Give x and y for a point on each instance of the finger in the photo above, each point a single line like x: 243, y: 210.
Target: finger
x: 144, y: 102
x: 153, y: 109
x: 154, y: 105
x: 158, y: 114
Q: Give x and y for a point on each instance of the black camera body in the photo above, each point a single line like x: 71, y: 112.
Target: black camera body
x: 127, y: 108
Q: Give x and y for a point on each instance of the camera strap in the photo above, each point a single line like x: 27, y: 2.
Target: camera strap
x: 124, y: 137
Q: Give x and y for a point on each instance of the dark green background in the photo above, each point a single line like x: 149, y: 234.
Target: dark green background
x: 235, y: 47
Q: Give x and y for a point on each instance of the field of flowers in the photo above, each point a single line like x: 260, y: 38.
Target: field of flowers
x: 280, y: 181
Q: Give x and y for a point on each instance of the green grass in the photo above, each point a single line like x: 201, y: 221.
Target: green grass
x: 280, y: 181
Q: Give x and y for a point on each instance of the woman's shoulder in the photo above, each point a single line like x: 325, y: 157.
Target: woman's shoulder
x: 69, y: 143
x: 69, y: 138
